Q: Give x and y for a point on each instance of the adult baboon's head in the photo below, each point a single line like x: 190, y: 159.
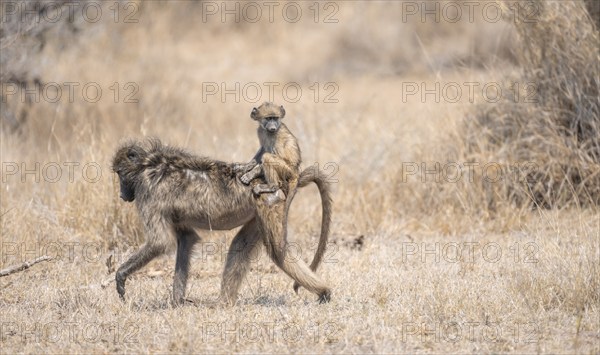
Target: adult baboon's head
x: 128, y: 164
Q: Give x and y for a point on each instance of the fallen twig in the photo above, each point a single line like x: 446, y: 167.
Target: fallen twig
x: 23, y: 266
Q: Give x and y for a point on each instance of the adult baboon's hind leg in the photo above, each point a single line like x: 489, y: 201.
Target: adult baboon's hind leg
x: 185, y: 245
x: 297, y: 269
x: 273, y: 228
x: 244, y: 247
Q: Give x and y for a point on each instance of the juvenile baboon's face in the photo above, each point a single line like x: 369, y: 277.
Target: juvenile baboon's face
x: 126, y: 164
x: 269, y: 116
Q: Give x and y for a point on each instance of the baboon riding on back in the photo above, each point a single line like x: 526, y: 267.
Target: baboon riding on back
x: 176, y: 192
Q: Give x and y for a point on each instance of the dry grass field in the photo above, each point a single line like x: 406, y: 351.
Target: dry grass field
x: 464, y: 153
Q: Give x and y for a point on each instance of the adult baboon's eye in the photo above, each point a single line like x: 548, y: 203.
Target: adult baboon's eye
x: 131, y: 155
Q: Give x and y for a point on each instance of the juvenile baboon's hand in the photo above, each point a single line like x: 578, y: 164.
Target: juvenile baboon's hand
x: 244, y: 167
x: 238, y: 167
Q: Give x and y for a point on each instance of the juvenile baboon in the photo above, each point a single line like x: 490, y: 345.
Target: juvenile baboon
x: 176, y: 192
x: 279, y: 153
x: 278, y: 158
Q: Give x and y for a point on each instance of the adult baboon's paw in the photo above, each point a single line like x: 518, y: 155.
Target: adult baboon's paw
x: 296, y: 287
x: 120, y: 281
x: 325, y: 297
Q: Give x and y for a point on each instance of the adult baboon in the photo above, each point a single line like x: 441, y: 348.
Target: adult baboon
x: 176, y: 192
x: 278, y: 159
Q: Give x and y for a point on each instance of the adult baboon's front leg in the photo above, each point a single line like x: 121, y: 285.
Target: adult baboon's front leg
x: 185, y: 244
x: 157, y: 237
x: 140, y: 258
x: 244, y: 247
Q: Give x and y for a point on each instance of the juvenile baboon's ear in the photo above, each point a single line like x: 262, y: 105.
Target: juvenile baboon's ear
x: 282, y: 112
x: 254, y: 114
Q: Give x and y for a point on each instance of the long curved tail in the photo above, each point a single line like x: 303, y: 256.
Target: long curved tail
x: 313, y: 174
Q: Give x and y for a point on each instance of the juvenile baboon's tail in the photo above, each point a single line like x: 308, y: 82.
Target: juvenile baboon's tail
x: 313, y: 174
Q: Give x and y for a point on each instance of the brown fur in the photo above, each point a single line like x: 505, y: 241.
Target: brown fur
x: 176, y: 192
x: 279, y: 157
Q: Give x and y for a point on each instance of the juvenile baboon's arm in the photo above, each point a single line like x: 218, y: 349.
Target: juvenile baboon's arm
x: 246, y: 167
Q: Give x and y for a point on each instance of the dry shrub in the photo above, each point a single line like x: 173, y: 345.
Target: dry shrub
x: 558, y: 132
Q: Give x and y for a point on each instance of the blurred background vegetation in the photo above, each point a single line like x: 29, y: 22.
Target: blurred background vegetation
x: 154, y: 62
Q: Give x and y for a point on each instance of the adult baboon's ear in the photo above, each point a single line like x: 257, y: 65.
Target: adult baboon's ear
x: 133, y: 155
x: 282, y: 112
x: 254, y: 114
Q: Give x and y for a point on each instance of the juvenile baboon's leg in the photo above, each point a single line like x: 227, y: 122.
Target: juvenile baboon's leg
x: 140, y: 258
x: 244, y: 247
x: 185, y: 245
x: 252, y: 174
x: 276, y: 170
x: 272, y: 228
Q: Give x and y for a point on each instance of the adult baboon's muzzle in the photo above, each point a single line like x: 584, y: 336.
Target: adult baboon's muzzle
x: 126, y: 198
x: 126, y: 193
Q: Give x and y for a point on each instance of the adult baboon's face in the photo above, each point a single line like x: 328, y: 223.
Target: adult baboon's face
x: 127, y: 164
x: 127, y: 190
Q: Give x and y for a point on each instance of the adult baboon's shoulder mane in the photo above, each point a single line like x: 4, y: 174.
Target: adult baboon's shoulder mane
x: 153, y: 153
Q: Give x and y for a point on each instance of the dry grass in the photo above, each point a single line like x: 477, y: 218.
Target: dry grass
x: 390, y: 294
x: 556, y: 121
